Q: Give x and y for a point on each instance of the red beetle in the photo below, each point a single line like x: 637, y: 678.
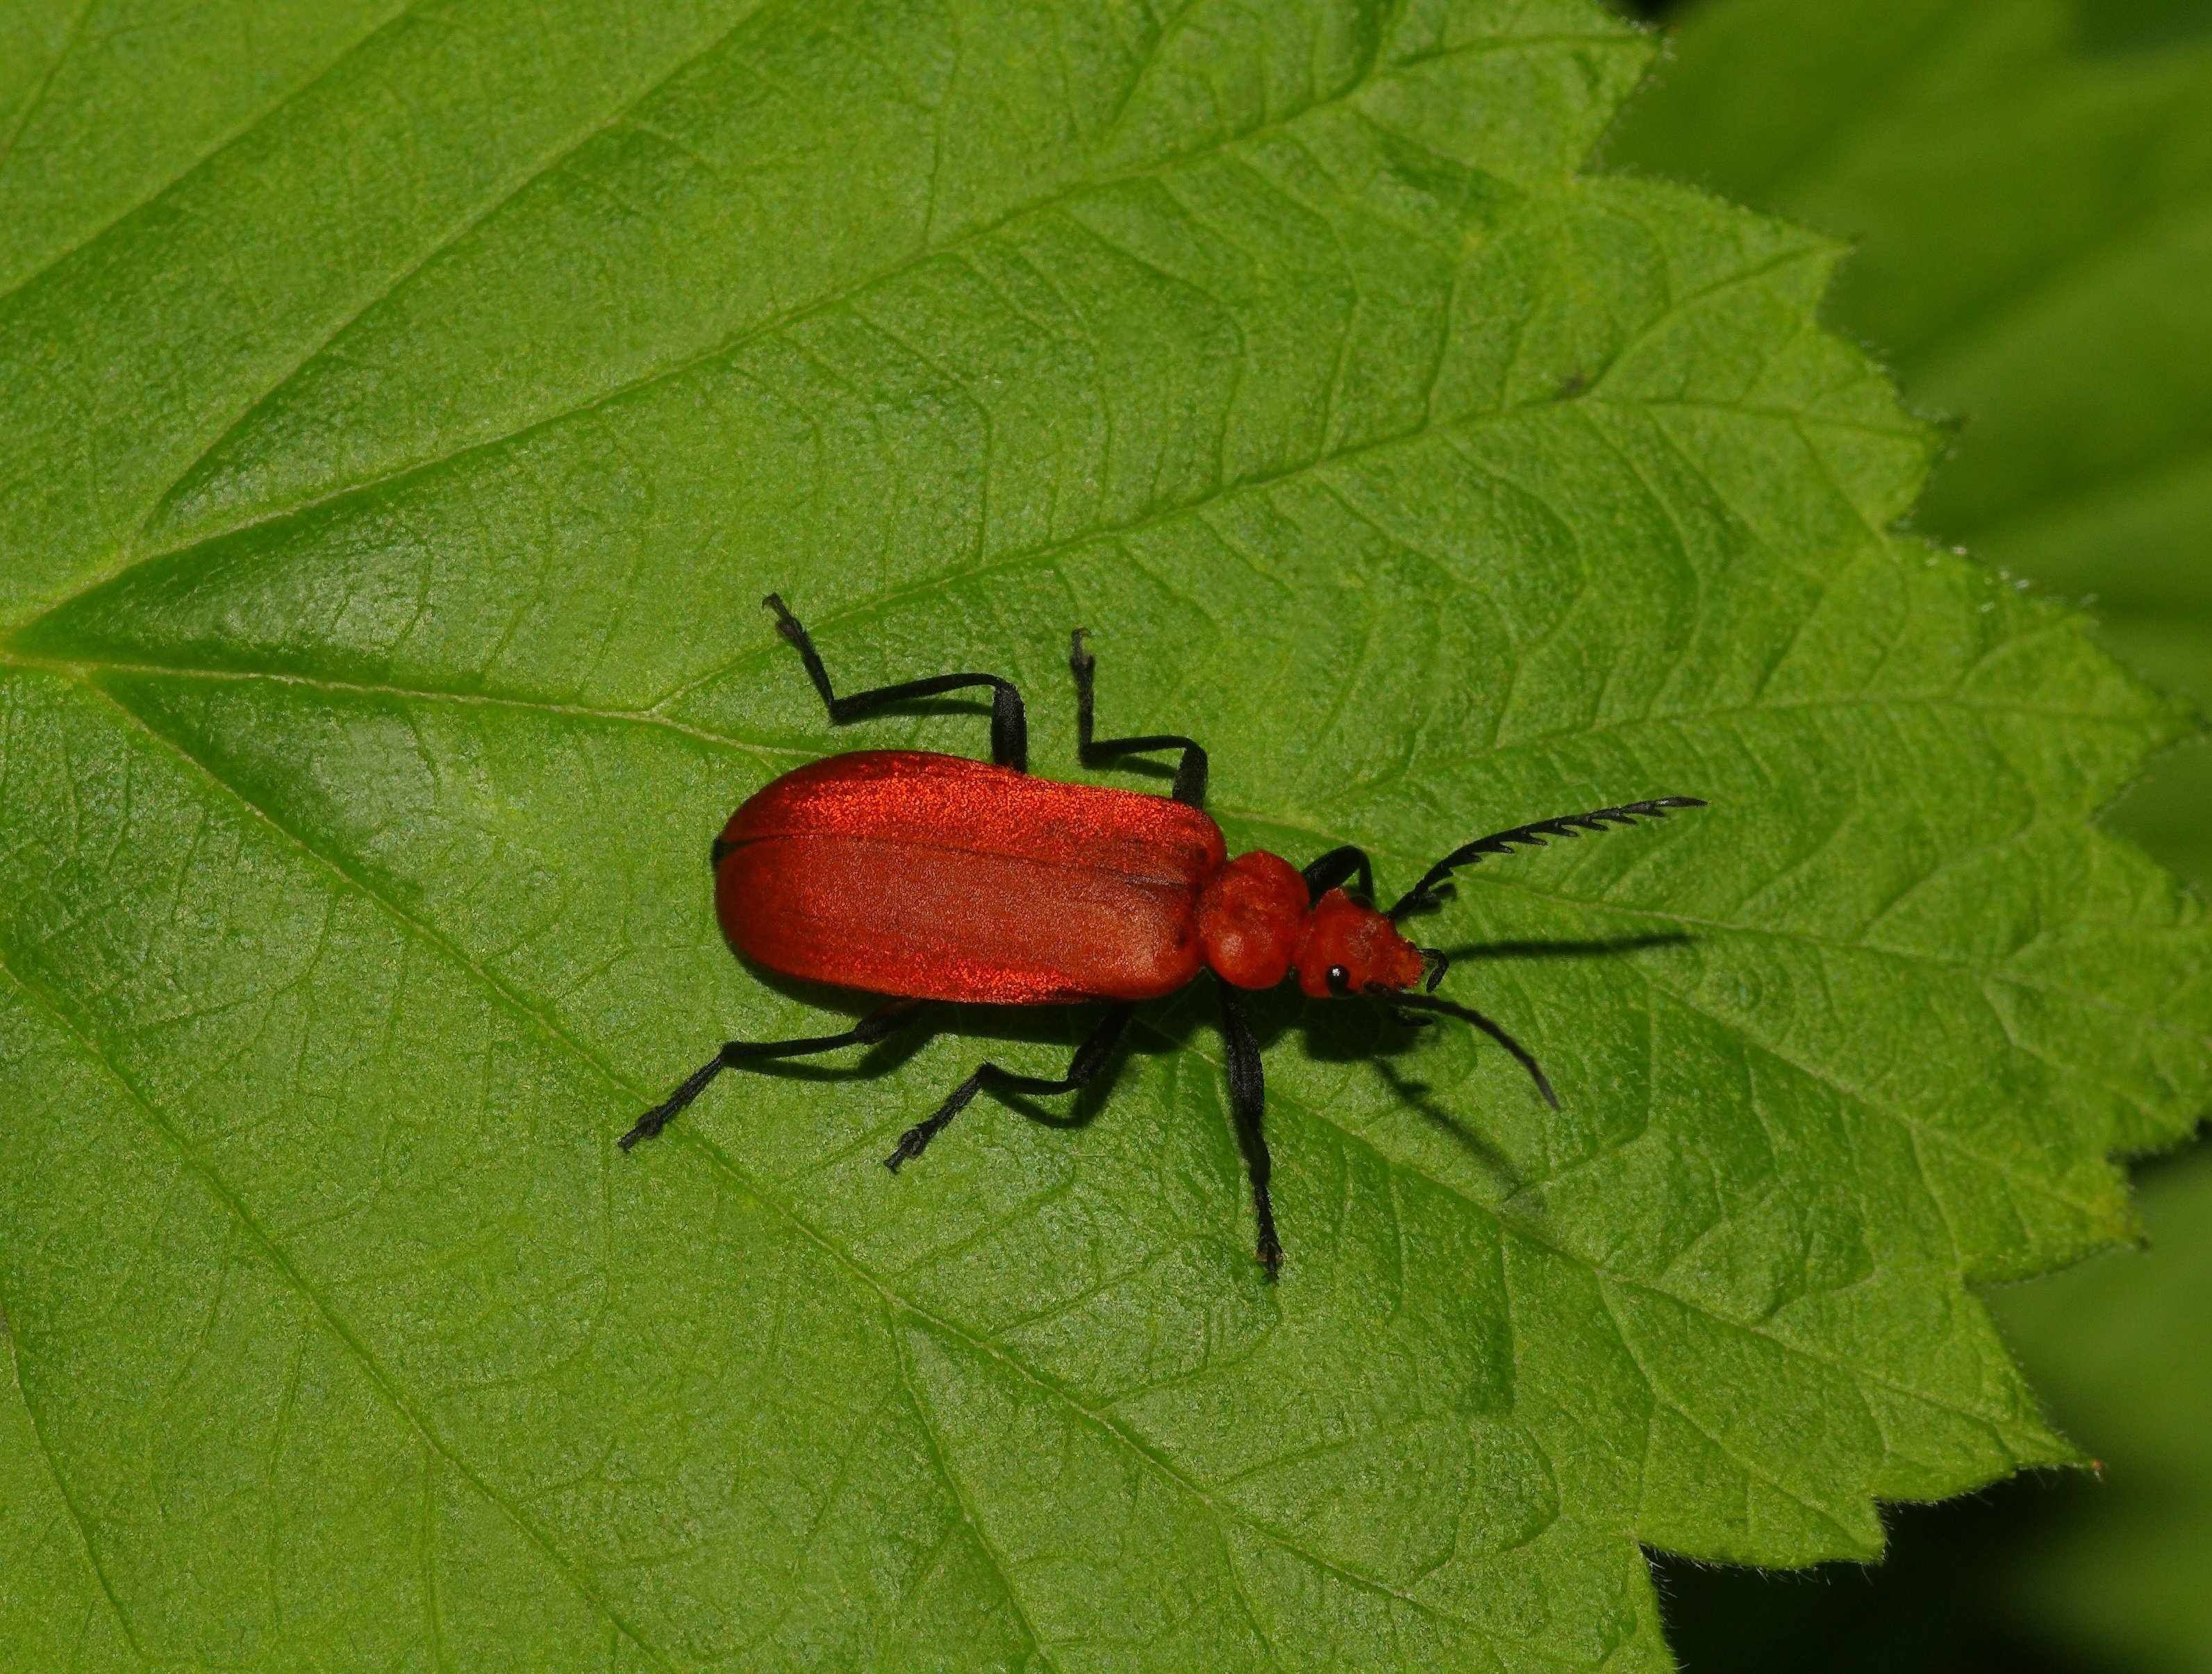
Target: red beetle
x: 922, y: 877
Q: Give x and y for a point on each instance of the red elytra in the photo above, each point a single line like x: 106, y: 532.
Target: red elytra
x: 927, y: 878
x: 938, y: 877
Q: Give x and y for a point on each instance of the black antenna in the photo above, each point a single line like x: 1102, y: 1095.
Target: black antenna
x: 1424, y: 895
x: 1429, y: 1002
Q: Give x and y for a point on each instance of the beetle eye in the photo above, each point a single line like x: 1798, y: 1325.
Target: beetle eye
x: 1340, y: 980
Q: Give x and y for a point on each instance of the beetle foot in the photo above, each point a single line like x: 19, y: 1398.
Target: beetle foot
x: 912, y: 1143
x: 1270, y: 1254
x: 648, y: 1124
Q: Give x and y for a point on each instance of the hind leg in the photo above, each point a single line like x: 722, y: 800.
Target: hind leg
x: 1190, y: 771
x: 1010, y: 730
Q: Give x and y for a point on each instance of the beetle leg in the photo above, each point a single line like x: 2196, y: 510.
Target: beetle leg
x: 1190, y: 772
x: 1010, y: 727
x: 877, y: 1024
x: 1331, y: 869
x: 1090, y: 1058
x: 1248, y: 1103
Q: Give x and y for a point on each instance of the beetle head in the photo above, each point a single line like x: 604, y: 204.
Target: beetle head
x: 1348, y: 947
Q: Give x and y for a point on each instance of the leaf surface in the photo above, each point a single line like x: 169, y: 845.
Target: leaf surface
x: 394, y: 469
x: 2029, y: 189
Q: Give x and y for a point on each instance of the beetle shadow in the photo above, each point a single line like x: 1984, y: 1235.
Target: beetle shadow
x: 1157, y: 1029
x: 1337, y: 1032
x: 1061, y: 1027
x: 1478, y: 952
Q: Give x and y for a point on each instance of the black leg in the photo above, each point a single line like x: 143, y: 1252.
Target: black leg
x: 876, y: 1024
x: 1190, y: 772
x: 1090, y: 1058
x: 1248, y: 1103
x: 1334, y: 867
x: 1010, y: 728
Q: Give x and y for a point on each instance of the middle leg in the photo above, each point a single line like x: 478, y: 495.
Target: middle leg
x: 1090, y: 1058
x: 1248, y: 1103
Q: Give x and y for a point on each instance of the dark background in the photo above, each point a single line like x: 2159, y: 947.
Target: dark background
x: 1936, y: 1603
x: 2117, y: 24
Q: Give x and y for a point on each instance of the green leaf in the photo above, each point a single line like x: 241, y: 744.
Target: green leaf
x: 2030, y: 194
x: 395, y: 466
x: 2114, y: 1341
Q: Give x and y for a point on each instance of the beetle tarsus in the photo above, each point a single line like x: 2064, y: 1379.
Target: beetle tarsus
x: 915, y: 1140
x: 1091, y: 1056
x: 647, y: 1125
x: 1270, y: 1253
x: 912, y: 1143
x: 692, y: 1085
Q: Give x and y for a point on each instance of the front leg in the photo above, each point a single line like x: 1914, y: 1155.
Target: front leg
x: 1326, y: 872
x: 1248, y: 1103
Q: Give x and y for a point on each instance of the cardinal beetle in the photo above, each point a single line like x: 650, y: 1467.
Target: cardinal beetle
x: 920, y: 877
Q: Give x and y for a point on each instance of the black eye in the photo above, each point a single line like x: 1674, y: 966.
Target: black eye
x: 1339, y: 979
